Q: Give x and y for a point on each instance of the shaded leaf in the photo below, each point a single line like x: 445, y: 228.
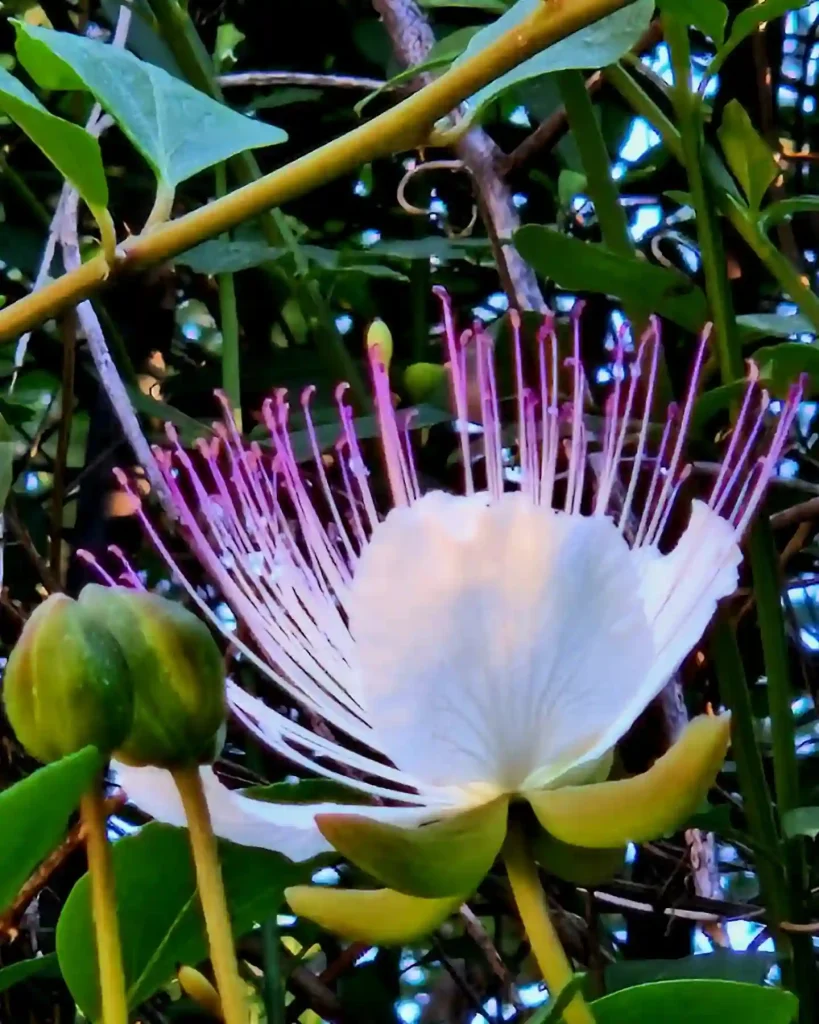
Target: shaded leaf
x: 588, y: 267
x: 777, y: 324
x: 37, y: 967
x: 74, y: 152
x: 784, y: 209
x: 178, y: 129
x: 226, y: 256
x: 156, y: 897
x: 747, y: 21
x: 781, y: 365
x: 600, y: 43
x: 307, y: 791
x: 709, y: 16
x: 748, y: 155
x: 725, y: 964
x: 34, y: 815
x: 801, y: 821
x: 706, y: 1001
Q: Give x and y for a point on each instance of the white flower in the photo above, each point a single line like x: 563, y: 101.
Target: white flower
x: 461, y: 648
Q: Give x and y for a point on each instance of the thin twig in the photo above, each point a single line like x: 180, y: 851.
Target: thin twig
x: 241, y: 79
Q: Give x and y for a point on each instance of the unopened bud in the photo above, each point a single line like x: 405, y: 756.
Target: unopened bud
x: 178, y: 672
x: 67, y: 684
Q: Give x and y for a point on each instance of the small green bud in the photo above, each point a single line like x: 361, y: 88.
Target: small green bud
x: 178, y: 672
x: 67, y: 684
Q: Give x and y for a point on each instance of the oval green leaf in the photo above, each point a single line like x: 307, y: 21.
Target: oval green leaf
x: 703, y: 1001
x: 34, y: 815
x: 74, y: 152
x: 179, y: 130
x: 159, y: 908
x: 589, y: 267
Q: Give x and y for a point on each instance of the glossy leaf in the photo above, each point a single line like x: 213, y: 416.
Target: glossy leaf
x: 34, y: 815
x: 74, y: 152
x: 603, y: 42
x: 747, y: 21
x: 158, y: 904
x: 446, y: 858
x: 608, y: 814
x: 37, y: 967
x: 707, y: 1002
x: 748, y: 155
x: 588, y: 267
x: 178, y: 129
x: 709, y: 16
x: 377, y: 916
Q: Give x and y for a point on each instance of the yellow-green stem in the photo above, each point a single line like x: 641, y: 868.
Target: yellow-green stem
x: 212, y: 895
x: 534, y: 913
x: 405, y: 126
x: 104, y: 908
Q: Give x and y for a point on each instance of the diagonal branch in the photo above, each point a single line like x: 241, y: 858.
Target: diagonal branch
x: 412, y: 39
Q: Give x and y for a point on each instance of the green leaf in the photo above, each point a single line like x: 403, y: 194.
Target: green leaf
x: 784, y: 209
x: 600, y: 43
x: 780, y: 366
x: 441, y: 54
x: 447, y: 858
x: 307, y: 791
x: 709, y: 16
x: 801, y: 821
x: 491, y: 6
x: 159, y: 908
x: 552, y: 1013
x: 8, y: 448
x: 179, y: 130
x: 724, y: 964
x: 189, y: 428
x: 34, y: 815
x: 74, y: 152
x: 443, y: 249
x: 748, y: 155
x: 776, y: 324
x: 706, y: 1002
x: 588, y: 267
x: 37, y: 967
x: 224, y: 256
x: 747, y: 21
x: 569, y: 184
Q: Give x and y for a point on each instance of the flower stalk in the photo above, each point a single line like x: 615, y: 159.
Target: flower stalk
x: 104, y: 910
x: 405, y: 126
x: 212, y: 895
x: 534, y: 913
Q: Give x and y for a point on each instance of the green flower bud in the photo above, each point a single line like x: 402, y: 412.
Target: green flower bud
x: 379, y: 334
x: 67, y: 684
x: 178, y: 672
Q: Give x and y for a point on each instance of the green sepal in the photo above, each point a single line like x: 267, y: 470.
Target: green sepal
x: 380, y: 917
x: 576, y: 864
x: 446, y: 858
x: 609, y: 814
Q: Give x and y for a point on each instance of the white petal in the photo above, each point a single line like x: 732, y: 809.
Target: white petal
x: 680, y: 592
x: 285, y: 828
x: 495, y: 640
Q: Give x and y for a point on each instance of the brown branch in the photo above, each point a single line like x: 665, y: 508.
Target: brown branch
x: 242, y: 79
x: 412, y: 39
x: 10, y: 918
